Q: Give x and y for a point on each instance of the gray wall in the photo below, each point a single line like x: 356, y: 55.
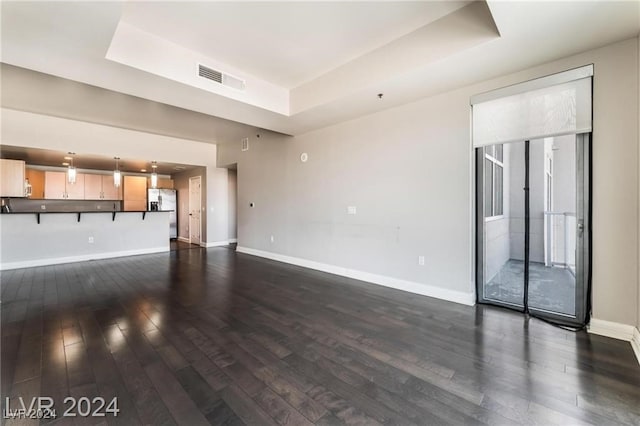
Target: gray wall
x: 408, y: 172
x: 398, y: 168
x: 32, y: 91
x: 61, y: 237
x: 233, y: 211
x: 181, y: 184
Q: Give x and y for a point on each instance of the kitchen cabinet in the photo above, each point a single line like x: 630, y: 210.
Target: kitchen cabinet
x: 36, y: 180
x: 12, y: 178
x: 100, y: 187
x: 56, y: 186
x: 109, y: 191
x: 135, y: 193
x: 75, y: 191
x: 93, y: 187
x: 163, y: 183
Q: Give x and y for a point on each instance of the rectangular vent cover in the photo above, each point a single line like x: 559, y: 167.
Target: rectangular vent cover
x: 220, y: 77
x: 210, y: 74
x: 245, y: 144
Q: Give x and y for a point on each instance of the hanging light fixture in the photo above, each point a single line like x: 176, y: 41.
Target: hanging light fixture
x: 71, y: 170
x: 117, y: 176
x: 154, y: 175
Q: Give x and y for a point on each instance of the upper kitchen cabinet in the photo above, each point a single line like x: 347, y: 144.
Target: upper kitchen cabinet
x: 12, y: 178
x: 109, y: 191
x: 163, y: 183
x: 135, y: 193
x: 36, y: 180
x: 93, y: 187
x: 75, y: 191
x: 100, y: 187
x: 56, y: 186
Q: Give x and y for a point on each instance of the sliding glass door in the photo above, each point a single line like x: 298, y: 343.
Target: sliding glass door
x: 532, y: 226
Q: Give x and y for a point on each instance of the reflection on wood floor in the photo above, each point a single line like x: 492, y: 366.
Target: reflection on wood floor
x: 212, y: 336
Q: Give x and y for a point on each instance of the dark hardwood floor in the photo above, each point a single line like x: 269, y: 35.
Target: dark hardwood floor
x: 211, y: 336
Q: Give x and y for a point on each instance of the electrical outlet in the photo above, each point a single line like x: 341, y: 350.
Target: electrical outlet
x: 351, y: 210
x: 90, y: 240
x: 421, y: 260
x: 272, y: 239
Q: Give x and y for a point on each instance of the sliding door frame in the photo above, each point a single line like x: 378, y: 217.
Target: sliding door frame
x: 583, y: 237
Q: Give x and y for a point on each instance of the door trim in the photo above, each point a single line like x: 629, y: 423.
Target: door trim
x: 191, y: 180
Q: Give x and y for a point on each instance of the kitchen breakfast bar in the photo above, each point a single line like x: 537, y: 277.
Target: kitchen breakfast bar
x: 37, y: 238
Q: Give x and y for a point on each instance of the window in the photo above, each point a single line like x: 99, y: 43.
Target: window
x: 493, y: 181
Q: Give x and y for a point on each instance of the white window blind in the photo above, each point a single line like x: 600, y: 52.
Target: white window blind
x: 556, y: 105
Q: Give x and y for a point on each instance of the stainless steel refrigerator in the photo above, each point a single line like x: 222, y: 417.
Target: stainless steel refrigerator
x: 165, y: 200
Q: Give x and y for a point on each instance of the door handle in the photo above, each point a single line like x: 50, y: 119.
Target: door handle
x: 581, y: 227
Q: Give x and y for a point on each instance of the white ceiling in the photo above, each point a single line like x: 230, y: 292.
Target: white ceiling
x: 335, y: 57
x: 286, y: 43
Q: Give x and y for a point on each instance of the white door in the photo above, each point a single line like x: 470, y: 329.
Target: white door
x: 194, y: 209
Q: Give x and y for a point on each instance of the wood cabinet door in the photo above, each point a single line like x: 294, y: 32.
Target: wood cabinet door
x: 93, y: 187
x: 55, y: 185
x: 11, y: 178
x: 163, y: 183
x: 36, y: 179
x: 109, y: 191
x: 135, y: 192
x: 75, y: 191
x: 135, y: 205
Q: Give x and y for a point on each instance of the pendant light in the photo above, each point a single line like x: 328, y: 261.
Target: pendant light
x: 154, y: 175
x: 117, y: 176
x: 71, y: 170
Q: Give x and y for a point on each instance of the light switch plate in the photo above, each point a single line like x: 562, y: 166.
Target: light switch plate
x: 351, y: 210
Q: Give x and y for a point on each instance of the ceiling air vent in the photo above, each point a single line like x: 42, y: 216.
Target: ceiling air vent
x: 245, y: 144
x: 220, y: 77
x: 210, y: 74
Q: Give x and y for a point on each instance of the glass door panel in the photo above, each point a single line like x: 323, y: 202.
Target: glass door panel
x: 552, y: 212
x: 502, y: 224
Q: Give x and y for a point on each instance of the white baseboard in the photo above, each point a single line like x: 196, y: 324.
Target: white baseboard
x: 409, y: 286
x: 615, y: 330
x: 80, y: 258
x: 215, y: 244
x: 635, y: 343
x: 233, y: 240
x: 184, y: 240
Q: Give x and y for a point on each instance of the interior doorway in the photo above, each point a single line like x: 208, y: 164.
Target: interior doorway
x: 532, y: 226
x: 195, y: 215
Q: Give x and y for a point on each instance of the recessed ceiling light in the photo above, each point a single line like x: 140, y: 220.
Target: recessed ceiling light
x: 179, y: 168
x: 143, y: 170
x: 67, y: 158
x: 65, y: 164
